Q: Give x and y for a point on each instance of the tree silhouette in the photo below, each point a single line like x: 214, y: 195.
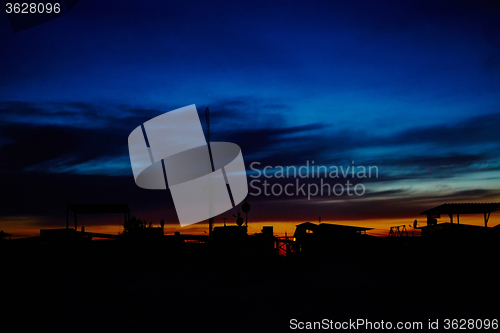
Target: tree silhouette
x: 133, y: 224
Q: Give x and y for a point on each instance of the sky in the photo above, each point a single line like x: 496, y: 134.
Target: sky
x: 411, y: 87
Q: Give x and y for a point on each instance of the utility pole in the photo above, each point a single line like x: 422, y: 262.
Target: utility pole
x: 210, y: 186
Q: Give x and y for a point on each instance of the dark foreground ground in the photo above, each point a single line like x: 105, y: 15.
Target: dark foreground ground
x: 109, y: 286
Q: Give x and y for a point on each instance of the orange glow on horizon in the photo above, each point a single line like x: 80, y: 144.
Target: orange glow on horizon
x: 29, y: 226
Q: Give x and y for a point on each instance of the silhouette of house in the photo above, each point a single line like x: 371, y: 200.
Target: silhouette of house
x: 229, y: 233
x: 4, y: 235
x: 458, y: 209
x: 327, y: 230
x: 321, y: 237
x: 451, y: 229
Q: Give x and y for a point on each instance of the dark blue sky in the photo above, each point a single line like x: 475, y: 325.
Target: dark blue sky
x: 412, y: 87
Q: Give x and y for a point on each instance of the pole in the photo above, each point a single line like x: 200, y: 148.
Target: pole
x: 210, y: 201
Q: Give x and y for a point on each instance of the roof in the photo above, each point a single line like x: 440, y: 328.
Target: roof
x: 463, y: 208
x: 331, y: 227
x: 113, y: 208
x: 307, y: 225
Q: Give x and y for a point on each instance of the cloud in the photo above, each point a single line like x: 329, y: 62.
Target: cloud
x: 49, y: 163
x: 76, y: 137
x: 73, y: 114
x: 474, y: 130
x: 67, y: 137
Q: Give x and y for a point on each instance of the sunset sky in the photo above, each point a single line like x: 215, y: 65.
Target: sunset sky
x: 411, y: 87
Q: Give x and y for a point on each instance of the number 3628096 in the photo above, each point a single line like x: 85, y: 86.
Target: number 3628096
x: 32, y: 8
